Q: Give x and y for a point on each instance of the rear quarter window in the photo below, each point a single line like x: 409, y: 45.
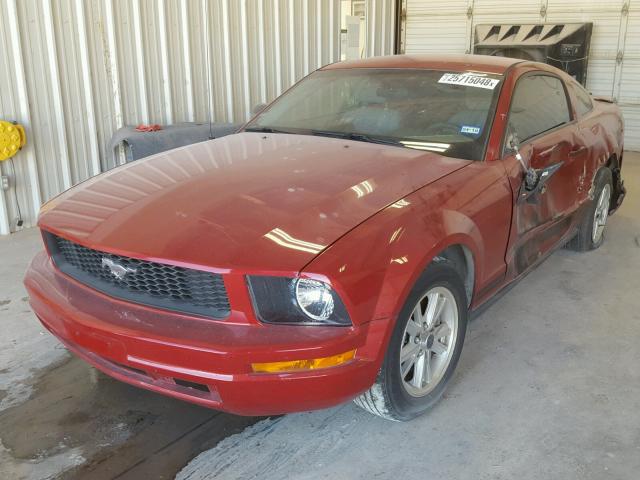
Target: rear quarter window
x: 584, y: 104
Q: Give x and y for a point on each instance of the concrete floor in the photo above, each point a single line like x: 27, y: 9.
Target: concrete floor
x: 548, y: 386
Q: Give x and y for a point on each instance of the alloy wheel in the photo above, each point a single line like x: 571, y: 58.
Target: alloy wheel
x: 601, y: 213
x: 428, y: 341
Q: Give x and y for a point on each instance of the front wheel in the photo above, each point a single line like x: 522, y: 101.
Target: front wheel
x: 424, y: 348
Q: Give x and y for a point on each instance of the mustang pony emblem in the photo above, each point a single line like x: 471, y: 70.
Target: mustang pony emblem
x: 118, y: 271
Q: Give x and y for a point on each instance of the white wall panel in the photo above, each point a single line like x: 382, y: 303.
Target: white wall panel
x: 14, y: 105
x: 629, y: 88
x: 380, y: 27
x: 77, y: 70
x: 437, y: 27
x: 497, y: 11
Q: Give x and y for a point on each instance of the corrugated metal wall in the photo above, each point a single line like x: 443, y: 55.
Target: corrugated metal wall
x: 614, y: 61
x: 77, y: 70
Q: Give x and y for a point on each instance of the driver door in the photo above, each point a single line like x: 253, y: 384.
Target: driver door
x: 541, y: 118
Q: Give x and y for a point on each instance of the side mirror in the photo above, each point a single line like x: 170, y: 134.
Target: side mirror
x: 530, y: 175
x: 258, y: 108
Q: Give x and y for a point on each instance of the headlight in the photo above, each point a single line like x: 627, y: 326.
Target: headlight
x: 315, y: 299
x: 296, y: 301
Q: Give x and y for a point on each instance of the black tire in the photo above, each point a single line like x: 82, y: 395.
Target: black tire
x: 388, y: 397
x: 584, y: 241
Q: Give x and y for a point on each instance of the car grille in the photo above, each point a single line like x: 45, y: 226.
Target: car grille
x: 139, y: 281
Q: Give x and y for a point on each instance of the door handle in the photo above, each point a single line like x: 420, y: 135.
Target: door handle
x: 577, y: 151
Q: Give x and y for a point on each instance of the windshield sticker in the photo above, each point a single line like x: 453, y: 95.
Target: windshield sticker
x: 469, y: 129
x: 469, y: 80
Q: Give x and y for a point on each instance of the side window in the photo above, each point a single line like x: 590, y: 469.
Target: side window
x: 539, y: 104
x: 583, y: 100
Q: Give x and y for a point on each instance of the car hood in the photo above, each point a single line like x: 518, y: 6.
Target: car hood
x: 249, y: 201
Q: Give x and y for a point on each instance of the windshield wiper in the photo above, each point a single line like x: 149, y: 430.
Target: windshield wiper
x: 359, y: 137
x: 264, y: 130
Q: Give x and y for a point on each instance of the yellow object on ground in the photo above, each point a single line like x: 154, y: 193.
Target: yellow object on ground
x: 297, y: 365
x: 12, y: 139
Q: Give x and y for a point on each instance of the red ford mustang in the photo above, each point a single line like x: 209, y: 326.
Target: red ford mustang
x: 335, y: 247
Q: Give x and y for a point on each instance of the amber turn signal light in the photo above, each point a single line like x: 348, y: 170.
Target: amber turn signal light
x: 298, y: 365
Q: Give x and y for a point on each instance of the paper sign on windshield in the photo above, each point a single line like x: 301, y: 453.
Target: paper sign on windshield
x: 469, y: 80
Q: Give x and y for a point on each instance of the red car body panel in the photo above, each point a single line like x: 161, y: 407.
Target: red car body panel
x: 224, y: 196
x: 374, y: 216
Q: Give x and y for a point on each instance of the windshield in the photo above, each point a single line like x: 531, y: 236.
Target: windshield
x: 446, y: 112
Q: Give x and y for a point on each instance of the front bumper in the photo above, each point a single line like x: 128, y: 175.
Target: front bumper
x: 199, y: 360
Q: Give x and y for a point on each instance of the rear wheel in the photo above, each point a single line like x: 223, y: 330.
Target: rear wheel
x: 424, y: 348
x: 591, y: 231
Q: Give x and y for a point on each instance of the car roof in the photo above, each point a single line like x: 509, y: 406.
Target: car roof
x: 454, y: 63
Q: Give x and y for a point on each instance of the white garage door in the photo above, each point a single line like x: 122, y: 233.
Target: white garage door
x: 614, y: 65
